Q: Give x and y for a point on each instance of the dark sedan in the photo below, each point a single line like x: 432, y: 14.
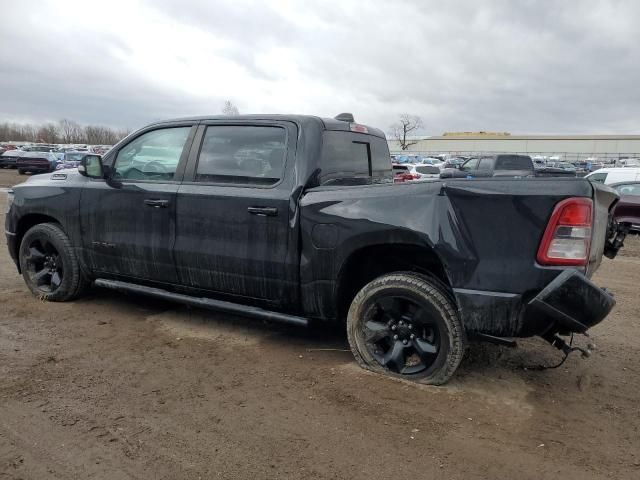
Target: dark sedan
x: 37, y: 162
x: 9, y: 158
x: 628, y: 208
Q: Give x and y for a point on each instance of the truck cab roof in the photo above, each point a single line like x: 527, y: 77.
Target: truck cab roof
x: 324, y: 122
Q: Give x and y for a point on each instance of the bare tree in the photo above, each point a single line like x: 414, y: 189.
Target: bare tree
x: 70, y: 131
x: 47, y: 133
x: 403, y: 129
x: 230, y: 109
x: 64, y: 131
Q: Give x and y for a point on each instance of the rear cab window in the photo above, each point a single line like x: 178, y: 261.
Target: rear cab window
x: 350, y: 158
x: 514, y: 162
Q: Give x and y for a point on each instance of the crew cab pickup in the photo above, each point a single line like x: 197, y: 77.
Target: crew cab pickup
x: 297, y: 219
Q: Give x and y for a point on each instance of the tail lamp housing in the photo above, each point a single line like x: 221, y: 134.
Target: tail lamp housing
x: 567, y: 238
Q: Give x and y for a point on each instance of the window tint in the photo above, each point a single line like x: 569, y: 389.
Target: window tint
x: 354, y: 159
x: 629, y: 189
x: 428, y: 169
x: 380, y: 160
x: 152, y: 156
x: 470, y: 165
x: 485, y: 164
x: 514, y: 162
x: 242, y: 154
x: 598, y: 177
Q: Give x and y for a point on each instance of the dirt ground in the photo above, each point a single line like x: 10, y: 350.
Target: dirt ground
x: 118, y: 387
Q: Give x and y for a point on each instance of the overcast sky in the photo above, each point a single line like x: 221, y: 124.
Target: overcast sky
x: 517, y: 66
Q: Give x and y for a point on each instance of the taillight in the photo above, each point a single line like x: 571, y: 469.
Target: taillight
x: 567, y: 239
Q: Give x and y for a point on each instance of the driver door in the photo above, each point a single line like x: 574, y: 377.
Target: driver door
x: 128, y: 222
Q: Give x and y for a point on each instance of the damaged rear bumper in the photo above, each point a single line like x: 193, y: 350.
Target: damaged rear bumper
x: 569, y: 303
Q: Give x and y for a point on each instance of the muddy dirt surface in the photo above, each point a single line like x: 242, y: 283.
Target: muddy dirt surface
x: 118, y: 387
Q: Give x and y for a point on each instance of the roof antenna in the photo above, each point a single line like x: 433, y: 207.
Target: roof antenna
x: 345, y: 117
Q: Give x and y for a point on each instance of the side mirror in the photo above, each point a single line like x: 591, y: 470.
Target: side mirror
x: 91, y: 166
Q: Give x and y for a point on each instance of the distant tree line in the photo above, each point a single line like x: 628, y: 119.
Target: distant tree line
x: 63, y: 131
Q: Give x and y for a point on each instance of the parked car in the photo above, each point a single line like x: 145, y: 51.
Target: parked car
x: 39, y: 148
x: 569, y: 167
x: 455, y: 162
x: 627, y: 210
x: 409, y: 172
x: 493, y: 166
x: 609, y: 176
x: 71, y: 160
x: 630, y: 162
x: 9, y: 158
x: 296, y: 219
x: 37, y: 162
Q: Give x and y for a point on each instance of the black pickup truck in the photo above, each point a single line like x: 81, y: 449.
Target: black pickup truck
x: 296, y: 219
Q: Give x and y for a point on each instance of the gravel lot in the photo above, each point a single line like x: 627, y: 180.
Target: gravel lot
x: 119, y: 387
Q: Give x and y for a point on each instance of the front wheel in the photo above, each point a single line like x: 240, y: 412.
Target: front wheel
x: 406, y: 325
x: 49, y: 264
x: 21, y: 171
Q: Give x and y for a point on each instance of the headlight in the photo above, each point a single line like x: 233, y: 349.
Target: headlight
x: 9, y: 199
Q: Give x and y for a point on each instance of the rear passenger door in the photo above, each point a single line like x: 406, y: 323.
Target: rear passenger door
x: 233, y: 232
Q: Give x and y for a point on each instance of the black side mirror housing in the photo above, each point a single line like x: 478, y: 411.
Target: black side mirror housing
x: 91, y: 166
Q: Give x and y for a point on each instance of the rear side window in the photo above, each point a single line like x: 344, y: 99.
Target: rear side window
x: 354, y: 159
x: 598, y: 177
x: 242, y: 154
x: 514, y: 162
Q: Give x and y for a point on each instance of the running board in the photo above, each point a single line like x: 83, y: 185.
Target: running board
x: 202, y: 302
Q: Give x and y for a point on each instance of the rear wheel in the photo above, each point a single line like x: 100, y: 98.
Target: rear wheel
x: 406, y: 325
x: 49, y: 264
x: 21, y: 171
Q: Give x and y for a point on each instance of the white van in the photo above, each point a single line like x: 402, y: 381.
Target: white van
x: 614, y: 175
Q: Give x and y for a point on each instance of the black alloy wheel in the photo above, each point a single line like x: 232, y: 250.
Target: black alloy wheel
x: 44, y: 265
x: 402, y: 335
x: 406, y: 325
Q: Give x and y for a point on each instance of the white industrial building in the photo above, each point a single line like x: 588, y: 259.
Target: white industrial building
x: 571, y: 147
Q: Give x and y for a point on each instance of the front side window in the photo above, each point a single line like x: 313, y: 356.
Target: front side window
x: 153, y: 156
x: 470, y: 165
x: 242, y: 154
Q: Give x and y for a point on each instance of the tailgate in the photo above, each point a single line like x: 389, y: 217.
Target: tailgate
x: 604, y: 199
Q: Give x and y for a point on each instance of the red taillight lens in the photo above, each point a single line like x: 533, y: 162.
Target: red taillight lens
x: 567, y: 238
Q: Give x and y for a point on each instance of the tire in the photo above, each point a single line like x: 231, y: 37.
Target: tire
x: 21, y: 171
x: 49, y: 264
x: 406, y: 325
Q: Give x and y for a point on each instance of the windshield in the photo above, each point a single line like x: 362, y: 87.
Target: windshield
x: 73, y: 157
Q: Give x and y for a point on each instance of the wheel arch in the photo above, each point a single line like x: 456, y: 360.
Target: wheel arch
x: 369, y: 262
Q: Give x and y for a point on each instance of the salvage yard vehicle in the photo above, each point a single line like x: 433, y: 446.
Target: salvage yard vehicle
x: 492, y: 166
x: 295, y: 219
x: 9, y: 158
x: 627, y: 210
x: 410, y: 172
x: 609, y: 176
x: 35, y: 161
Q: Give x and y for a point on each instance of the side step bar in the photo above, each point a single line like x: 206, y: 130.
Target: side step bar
x: 202, y: 302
